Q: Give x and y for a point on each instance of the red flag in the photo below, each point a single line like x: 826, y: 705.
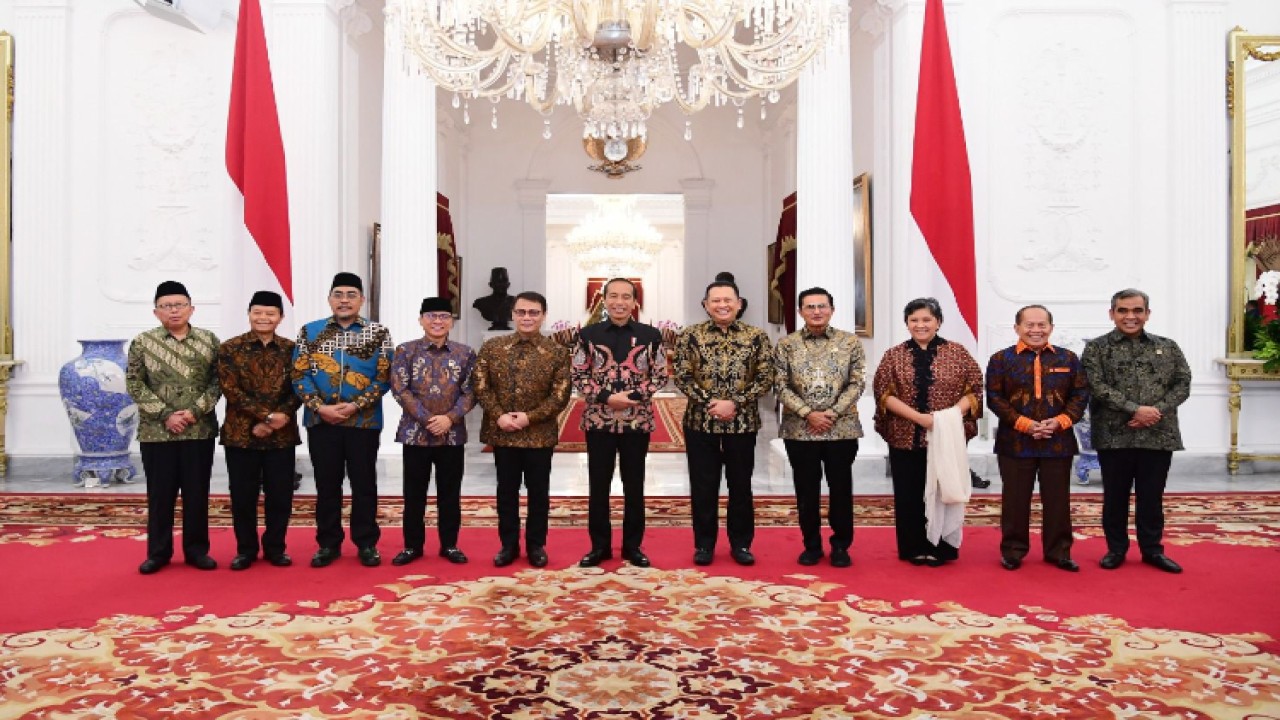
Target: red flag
x: 255, y: 151
x: 941, y: 194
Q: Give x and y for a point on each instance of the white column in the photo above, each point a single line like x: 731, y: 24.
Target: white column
x: 1200, y: 213
x: 40, y: 182
x: 824, y: 178
x: 697, y: 246
x: 408, y: 187
x: 531, y: 274
x: 41, y: 246
x: 305, y: 38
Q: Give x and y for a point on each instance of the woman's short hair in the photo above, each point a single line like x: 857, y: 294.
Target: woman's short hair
x: 929, y: 304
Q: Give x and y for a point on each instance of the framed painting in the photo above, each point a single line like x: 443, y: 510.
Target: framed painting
x: 862, y: 268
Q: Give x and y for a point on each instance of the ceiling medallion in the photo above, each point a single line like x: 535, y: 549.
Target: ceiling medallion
x: 615, y: 155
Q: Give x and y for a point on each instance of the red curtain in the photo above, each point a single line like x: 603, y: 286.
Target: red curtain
x: 1261, y: 224
x: 782, y: 279
x: 448, y: 264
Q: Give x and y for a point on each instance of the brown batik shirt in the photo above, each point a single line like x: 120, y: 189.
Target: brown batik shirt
x: 256, y: 380
x: 515, y: 374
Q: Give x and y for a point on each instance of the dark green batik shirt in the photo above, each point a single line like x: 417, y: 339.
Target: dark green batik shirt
x: 166, y: 375
x: 1125, y: 373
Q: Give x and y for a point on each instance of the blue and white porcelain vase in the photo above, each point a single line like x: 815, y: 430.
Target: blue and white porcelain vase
x: 103, y: 415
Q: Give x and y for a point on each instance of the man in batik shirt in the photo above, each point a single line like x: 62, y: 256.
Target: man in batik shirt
x: 431, y: 379
x: 723, y: 366
x: 260, y: 436
x: 341, y: 369
x: 618, y: 364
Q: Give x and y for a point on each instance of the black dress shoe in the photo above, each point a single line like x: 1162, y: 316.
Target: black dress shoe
x: 242, y: 562
x: 151, y: 565
x: 281, y: 560
x: 809, y: 557
x: 1163, y: 562
x: 538, y: 557
x: 636, y: 557
x: 204, y: 562
x: 453, y: 555
x: 1010, y: 563
x: 594, y: 558
x: 324, y: 557
x: 840, y: 558
x: 1111, y: 561
x: 369, y: 556
x: 1066, y: 564
x: 978, y: 481
x: 506, y: 556
x: 743, y: 556
x: 703, y: 556
x: 406, y: 556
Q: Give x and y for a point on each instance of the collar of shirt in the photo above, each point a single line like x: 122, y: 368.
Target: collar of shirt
x: 1022, y: 347
x: 190, y: 331
x: 732, y: 327
x: 436, y: 347
x: 1118, y: 337
x: 251, y: 339
x: 828, y: 332
x: 627, y: 326
x: 356, y: 325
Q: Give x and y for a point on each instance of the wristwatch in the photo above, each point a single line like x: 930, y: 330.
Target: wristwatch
x: 269, y: 417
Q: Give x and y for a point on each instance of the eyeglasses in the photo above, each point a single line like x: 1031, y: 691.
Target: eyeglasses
x: 818, y: 306
x: 348, y: 295
x: 526, y: 313
x: 434, y: 316
x: 170, y: 307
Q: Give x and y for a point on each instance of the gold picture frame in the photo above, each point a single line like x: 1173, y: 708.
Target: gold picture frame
x: 863, y: 317
x: 6, y: 200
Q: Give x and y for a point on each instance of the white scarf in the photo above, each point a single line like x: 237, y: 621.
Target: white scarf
x: 947, y: 486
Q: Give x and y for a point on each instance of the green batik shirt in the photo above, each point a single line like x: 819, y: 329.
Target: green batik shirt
x: 735, y: 363
x: 1125, y: 373
x: 166, y: 375
x: 816, y: 373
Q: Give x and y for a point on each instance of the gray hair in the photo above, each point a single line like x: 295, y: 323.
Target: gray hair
x: 1127, y: 293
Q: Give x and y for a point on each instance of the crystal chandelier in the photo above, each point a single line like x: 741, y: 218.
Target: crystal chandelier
x: 614, y: 240
x: 615, y: 61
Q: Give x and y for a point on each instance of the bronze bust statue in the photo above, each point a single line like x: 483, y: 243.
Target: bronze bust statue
x: 496, y: 306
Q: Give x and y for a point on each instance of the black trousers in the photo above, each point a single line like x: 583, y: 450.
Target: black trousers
x: 1143, y: 472
x: 603, y: 450
x: 173, y: 468
x: 708, y: 454
x: 810, y: 461
x: 338, y: 451
x: 270, y: 471
x: 533, y: 467
x: 418, y: 461
x: 1018, y: 483
x: 909, y: 469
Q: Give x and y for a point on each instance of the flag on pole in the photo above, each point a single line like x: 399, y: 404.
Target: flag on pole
x: 941, y: 192
x: 255, y: 150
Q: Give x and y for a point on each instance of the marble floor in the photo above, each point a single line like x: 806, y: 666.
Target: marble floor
x: 666, y: 472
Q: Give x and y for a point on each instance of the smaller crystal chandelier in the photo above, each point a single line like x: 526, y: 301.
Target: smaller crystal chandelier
x: 614, y: 240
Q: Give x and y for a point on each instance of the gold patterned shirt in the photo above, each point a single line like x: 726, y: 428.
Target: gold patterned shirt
x: 515, y: 374
x: 733, y: 363
x: 166, y: 375
x: 820, y: 372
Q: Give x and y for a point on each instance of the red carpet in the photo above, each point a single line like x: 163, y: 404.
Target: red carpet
x: 83, y: 635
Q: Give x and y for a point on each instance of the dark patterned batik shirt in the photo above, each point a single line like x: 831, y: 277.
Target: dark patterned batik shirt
x: 610, y: 358
x: 256, y: 380
x: 332, y: 365
x: 1125, y: 373
x: 166, y: 375
x: 531, y: 376
x: 428, y: 380
x: 928, y: 380
x: 733, y: 363
x: 817, y: 373
x: 1025, y: 386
